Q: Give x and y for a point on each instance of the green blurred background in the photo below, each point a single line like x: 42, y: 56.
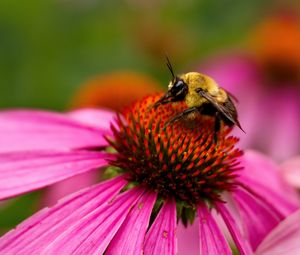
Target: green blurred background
x: 48, y: 48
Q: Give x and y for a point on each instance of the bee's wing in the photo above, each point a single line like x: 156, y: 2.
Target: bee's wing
x: 232, y: 96
x: 227, y: 109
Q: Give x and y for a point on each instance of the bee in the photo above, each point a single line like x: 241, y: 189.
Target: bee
x: 202, y: 95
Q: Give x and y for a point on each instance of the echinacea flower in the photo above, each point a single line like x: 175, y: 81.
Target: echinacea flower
x: 275, y: 46
x: 161, y: 178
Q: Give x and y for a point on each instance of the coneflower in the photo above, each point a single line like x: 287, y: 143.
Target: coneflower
x: 158, y: 176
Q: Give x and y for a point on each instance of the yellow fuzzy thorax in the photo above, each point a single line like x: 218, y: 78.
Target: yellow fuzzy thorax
x: 196, y: 80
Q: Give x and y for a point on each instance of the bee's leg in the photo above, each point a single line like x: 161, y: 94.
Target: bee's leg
x: 217, y: 126
x: 181, y: 115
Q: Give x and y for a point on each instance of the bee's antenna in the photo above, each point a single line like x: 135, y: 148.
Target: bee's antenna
x: 170, y: 67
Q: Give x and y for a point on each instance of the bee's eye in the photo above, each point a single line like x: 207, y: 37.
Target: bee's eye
x: 179, y: 88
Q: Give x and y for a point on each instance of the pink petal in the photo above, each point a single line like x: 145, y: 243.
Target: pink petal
x: 284, y: 138
x: 22, y: 172
x: 258, y: 217
x: 63, y: 188
x: 45, y: 228
x: 231, y: 206
x: 257, y: 165
x: 188, y: 238
x: 262, y: 176
x: 240, y: 241
x: 284, y: 204
x: 130, y: 237
x: 96, y: 118
x: 161, y: 239
x: 290, y: 171
x: 212, y: 241
x: 38, y: 130
x: 96, y: 229
x: 284, y: 239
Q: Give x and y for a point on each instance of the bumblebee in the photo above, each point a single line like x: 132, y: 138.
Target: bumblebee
x: 203, y: 95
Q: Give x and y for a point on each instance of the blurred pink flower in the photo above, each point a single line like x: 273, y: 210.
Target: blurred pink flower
x: 290, y: 170
x: 137, y: 210
x: 270, y: 114
x: 283, y: 239
x: 266, y: 79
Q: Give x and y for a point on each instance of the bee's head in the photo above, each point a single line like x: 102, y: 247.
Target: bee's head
x: 176, y: 92
x: 177, y: 89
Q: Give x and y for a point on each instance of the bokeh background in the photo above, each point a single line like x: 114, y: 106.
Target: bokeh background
x: 64, y: 54
x: 49, y: 48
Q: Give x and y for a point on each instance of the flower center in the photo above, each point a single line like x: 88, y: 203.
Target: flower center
x: 180, y: 160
